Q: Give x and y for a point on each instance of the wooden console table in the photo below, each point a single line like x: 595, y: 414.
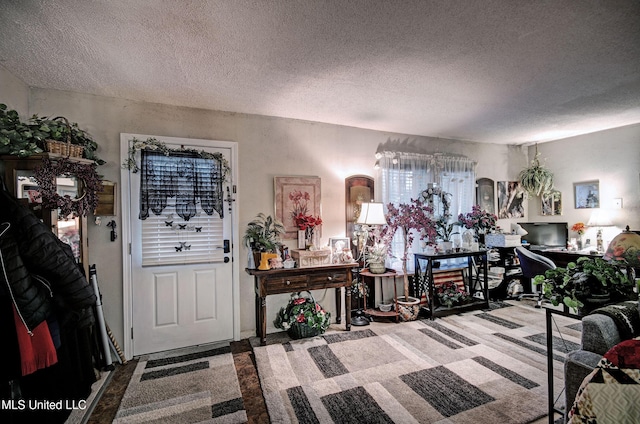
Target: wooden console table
x: 277, y: 281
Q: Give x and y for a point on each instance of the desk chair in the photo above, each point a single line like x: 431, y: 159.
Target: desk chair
x: 533, y: 264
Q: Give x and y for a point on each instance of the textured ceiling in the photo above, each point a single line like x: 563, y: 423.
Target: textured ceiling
x: 509, y: 71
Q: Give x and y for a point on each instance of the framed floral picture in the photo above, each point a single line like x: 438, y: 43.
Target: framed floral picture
x: 298, y: 199
x: 587, y: 194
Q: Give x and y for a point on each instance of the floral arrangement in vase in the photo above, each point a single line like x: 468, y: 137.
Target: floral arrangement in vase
x: 303, y: 317
x: 302, y: 218
x: 578, y: 228
x: 409, y: 219
x: 478, y: 220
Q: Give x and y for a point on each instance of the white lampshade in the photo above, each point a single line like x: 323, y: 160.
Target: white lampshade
x: 599, y: 218
x: 372, y: 214
x: 517, y: 229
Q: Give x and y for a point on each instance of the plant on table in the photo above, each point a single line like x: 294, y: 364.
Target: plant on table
x: 263, y: 234
x: 478, y: 220
x: 586, y: 281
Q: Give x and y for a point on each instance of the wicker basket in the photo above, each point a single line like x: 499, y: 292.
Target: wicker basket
x: 65, y: 148
x: 301, y: 330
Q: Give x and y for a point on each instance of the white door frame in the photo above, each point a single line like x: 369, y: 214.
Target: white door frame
x: 125, y: 234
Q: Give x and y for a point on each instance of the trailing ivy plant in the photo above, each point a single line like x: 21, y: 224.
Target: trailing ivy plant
x: 24, y: 139
x: 16, y: 137
x: 152, y: 143
x: 536, y: 179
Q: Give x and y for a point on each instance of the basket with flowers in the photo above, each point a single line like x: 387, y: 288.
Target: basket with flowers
x: 302, y: 317
x: 450, y: 294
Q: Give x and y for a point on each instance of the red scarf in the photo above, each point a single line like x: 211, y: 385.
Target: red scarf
x: 36, y: 351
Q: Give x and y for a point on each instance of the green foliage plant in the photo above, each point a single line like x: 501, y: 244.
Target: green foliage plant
x: 263, y: 233
x: 536, y: 179
x: 584, y: 279
x: 24, y: 139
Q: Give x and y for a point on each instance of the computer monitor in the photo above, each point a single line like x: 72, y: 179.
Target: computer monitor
x: 544, y: 235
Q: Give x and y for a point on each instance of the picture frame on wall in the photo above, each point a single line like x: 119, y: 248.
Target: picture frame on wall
x: 293, y: 195
x: 359, y: 189
x: 340, y: 250
x: 510, y: 200
x: 485, y: 195
x: 551, y: 203
x: 587, y: 194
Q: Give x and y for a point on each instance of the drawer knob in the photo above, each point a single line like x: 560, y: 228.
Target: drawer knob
x: 288, y: 282
x: 330, y: 278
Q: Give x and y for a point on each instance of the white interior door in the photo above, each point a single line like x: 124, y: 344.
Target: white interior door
x: 181, y: 267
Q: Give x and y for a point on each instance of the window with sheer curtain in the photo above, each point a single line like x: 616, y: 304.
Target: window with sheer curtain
x: 403, y: 176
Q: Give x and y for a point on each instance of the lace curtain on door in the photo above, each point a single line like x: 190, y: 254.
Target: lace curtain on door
x: 192, y: 180
x: 179, y: 194
x: 403, y: 176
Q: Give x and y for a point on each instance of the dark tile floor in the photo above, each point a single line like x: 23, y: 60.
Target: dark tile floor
x: 107, y: 406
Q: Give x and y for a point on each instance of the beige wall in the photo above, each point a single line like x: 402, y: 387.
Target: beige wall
x: 14, y: 93
x: 273, y: 146
x: 613, y: 158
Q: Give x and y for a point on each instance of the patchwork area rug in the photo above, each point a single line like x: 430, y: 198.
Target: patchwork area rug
x: 191, y: 387
x: 477, y: 367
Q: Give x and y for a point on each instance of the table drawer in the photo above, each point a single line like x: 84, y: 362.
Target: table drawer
x: 286, y: 284
x: 327, y: 278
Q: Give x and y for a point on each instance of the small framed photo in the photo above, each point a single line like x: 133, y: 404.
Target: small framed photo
x: 340, y: 250
x: 587, y: 194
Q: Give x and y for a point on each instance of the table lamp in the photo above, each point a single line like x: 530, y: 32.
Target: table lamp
x: 371, y: 215
x: 625, y: 247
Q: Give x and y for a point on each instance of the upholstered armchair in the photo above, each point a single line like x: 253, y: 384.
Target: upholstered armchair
x: 600, y: 332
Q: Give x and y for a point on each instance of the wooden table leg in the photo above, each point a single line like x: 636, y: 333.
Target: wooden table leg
x: 339, y: 306
x: 347, y: 301
x: 262, y: 317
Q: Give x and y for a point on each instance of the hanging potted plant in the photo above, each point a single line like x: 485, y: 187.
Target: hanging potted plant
x: 407, y: 220
x: 536, y: 179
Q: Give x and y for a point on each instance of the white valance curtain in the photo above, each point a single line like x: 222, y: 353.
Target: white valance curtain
x: 403, y: 176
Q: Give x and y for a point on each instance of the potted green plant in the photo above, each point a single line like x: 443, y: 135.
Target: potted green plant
x: 375, y: 258
x: 586, y: 284
x: 16, y: 137
x: 263, y: 235
x: 409, y: 219
x: 24, y: 139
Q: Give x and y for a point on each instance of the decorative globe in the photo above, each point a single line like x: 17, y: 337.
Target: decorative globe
x: 625, y: 246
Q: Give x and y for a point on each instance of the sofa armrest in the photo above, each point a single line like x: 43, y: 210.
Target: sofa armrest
x: 599, y: 333
x: 577, y: 365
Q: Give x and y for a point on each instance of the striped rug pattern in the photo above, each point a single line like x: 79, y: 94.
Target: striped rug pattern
x: 476, y: 367
x: 198, y: 385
